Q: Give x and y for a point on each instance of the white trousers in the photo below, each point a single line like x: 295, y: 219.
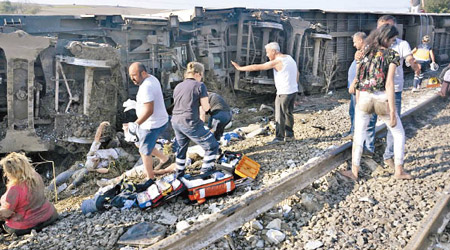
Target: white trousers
x: 415, y: 9
x: 362, y: 119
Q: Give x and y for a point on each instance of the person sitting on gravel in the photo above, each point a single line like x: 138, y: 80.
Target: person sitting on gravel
x: 375, y: 93
x: 220, y: 114
x: 286, y: 75
x: 24, y: 206
x: 423, y: 55
x: 189, y: 96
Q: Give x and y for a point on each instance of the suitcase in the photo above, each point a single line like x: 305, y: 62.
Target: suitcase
x: 210, y: 184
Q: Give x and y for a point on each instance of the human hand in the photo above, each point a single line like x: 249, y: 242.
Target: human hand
x: 235, y: 65
x: 358, y: 55
x: 351, y: 89
x: 393, y: 118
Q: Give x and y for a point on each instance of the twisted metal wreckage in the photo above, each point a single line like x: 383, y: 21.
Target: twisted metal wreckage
x: 60, y: 76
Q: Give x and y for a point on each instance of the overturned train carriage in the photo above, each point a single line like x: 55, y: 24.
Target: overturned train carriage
x: 60, y: 76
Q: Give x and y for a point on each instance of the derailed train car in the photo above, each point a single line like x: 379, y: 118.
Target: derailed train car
x: 60, y: 76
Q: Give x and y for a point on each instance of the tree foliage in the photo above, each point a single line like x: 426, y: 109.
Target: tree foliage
x: 437, y: 6
x: 6, y: 7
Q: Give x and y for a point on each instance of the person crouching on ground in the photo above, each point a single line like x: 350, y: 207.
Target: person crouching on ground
x: 189, y: 96
x: 220, y: 114
x: 24, y: 206
x: 375, y: 93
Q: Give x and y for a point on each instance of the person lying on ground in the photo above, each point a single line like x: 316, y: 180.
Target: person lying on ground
x: 97, y: 160
x: 24, y: 206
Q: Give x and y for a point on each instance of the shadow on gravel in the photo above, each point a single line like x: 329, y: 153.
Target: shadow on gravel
x: 436, y: 167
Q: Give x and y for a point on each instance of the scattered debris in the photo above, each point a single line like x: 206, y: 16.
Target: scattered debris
x: 144, y: 233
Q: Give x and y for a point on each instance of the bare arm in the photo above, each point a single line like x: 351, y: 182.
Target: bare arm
x: 413, y: 51
x: 432, y: 56
x: 99, y: 132
x: 257, y: 67
x: 204, y: 104
x: 202, y: 114
x: 415, y: 66
x: 147, y: 111
x: 5, y: 213
x: 390, y: 92
x: 352, y: 88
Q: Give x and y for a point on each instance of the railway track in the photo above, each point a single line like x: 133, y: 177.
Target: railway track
x: 432, y: 225
x: 338, y: 207
x: 234, y: 216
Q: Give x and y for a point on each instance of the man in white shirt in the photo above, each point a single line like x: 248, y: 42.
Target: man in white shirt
x: 152, y: 117
x: 286, y: 74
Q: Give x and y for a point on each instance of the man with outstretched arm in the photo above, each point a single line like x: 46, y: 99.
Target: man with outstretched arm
x: 286, y: 74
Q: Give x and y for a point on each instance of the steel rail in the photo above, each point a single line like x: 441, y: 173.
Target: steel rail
x: 203, y: 233
x: 437, y: 219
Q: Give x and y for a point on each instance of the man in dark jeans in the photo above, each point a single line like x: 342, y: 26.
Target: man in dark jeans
x: 285, y: 74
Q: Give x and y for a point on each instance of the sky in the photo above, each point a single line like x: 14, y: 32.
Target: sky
x: 400, y: 6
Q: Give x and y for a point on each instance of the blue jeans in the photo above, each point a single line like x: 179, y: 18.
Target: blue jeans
x: 389, y: 151
x: 369, y: 141
x: 224, y: 117
x: 351, y: 112
x: 198, y: 134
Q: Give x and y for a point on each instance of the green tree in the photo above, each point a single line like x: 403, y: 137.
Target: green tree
x: 6, y: 7
x: 437, y: 6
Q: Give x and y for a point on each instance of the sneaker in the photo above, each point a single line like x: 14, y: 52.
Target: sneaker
x: 289, y: 138
x: 414, y: 89
x: 275, y: 141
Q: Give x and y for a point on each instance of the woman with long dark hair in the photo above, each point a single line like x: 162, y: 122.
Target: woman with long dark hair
x: 375, y: 94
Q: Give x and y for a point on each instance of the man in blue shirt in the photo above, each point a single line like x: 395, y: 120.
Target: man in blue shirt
x: 369, y: 142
